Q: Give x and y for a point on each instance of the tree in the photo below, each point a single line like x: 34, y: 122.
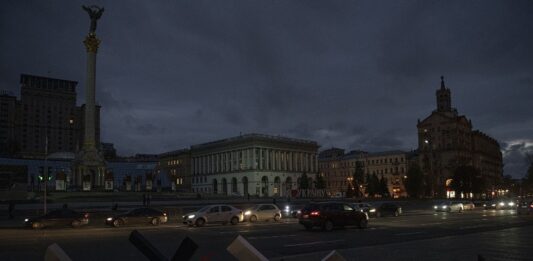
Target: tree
x: 463, y: 180
x: 373, y: 186
x: 383, y: 187
x: 358, y: 178
x: 320, y: 183
x: 414, y: 183
x: 304, y: 181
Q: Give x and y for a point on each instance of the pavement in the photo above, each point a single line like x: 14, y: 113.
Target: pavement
x: 496, y: 235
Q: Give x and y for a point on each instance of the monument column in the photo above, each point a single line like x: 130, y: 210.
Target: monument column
x: 89, y: 163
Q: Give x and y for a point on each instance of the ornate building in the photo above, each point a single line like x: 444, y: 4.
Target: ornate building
x: 252, y: 164
x: 446, y: 141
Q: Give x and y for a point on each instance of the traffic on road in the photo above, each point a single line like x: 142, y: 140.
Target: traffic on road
x: 323, y: 215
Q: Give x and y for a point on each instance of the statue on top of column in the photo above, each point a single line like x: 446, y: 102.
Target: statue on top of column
x: 95, y: 13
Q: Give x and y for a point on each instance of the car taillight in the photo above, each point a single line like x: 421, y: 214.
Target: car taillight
x: 531, y: 206
x: 86, y: 215
x: 315, y: 213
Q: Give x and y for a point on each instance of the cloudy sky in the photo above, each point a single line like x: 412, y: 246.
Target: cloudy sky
x: 351, y: 74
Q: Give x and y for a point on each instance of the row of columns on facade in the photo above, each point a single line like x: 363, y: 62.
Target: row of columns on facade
x: 282, y: 160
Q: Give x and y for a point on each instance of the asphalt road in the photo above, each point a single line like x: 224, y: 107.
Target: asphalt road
x: 283, y: 240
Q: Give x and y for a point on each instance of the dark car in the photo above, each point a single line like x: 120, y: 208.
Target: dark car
x: 328, y: 215
x: 365, y: 207
x: 58, y: 218
x: 138, y: 216
x: 388, y: 209
x: 525, y: 207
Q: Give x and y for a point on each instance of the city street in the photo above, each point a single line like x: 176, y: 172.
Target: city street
x: 496, y: 235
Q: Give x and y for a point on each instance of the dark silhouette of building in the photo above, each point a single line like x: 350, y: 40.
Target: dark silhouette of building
x: 45, y: 114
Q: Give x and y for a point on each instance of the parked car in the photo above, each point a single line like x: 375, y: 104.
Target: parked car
x: 468, y: 205
x: 388, y: 209
x: 366, y: 208
x: 328, y: 215
x: 263, y: 212
x: 58, y: 218
x: 214, y: 214
x: 138, y: 216
x: 524, y: 207
x: 449, y: 206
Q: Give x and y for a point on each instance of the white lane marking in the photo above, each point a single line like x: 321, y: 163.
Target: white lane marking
x: 314, y: 243
x: 410, y: 233
x: 265, y: 237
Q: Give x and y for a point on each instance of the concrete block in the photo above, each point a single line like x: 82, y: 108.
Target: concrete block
x: 334, y: 256
x: 55, y: 253
x: 242, y: 250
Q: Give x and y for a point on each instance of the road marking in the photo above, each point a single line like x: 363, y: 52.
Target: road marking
x: 314, y: 243
x: 410, y: 233
x: 265, y: 237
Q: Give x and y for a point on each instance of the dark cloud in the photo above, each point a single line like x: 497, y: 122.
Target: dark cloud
x: 351, y: 74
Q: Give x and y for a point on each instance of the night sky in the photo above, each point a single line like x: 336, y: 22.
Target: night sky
x: 350, y: 74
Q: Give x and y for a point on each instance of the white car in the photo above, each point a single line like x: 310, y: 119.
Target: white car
x: 449, y: 206
x: 214, y: 214
x: 263, y: 212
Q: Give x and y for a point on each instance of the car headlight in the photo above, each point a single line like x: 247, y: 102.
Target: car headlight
x: 299, y: 211
x: 435, y: 207
x: 26, y: 219
x: 190, y: 216
x: 372, y: 210
x: 444, y: 207
x: 494, y: 204
x: 484, y: 205
x: 109, y: 218
x: 502, y: 204
x: 511, y: 204
x: 247, y: 213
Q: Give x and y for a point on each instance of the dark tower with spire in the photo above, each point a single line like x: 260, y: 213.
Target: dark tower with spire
x: 444, y: 98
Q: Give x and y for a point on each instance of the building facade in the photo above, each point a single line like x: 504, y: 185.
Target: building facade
x: 446, y: 140
x: 45, y: 114
x: 176, y: 166
x: 338, y: 168
x: 252, y: 164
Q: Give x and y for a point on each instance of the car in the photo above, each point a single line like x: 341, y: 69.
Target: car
x: 263, y: 212
x: 388, y: 209
x: 524, y: 207
x: 58, y: 218
x: 214, y: 214
x: 328, y: 215
x: 291, y: 211
x: 490, y: 205
x: 138, y: 216
x: 468, y: 205
x: 500, y: 204
x: 449, y: 206
x: 366, y: 208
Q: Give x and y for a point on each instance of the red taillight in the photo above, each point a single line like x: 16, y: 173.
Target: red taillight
x: 531, y: 206
x: 315, y: 213
x: 86, y: 215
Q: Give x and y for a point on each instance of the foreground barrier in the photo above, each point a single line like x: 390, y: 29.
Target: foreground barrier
x: 241, y: 249
x: 185, y: 250
x: 334, y: 256
x: 55, y: 253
